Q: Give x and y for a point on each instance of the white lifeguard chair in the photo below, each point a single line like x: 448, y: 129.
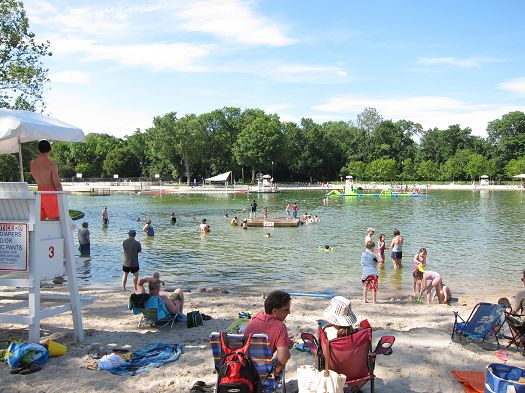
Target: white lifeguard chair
x: 32, y: 250
x: 484, y: 180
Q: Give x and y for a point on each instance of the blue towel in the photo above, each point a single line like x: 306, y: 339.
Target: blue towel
x: 151, y: 356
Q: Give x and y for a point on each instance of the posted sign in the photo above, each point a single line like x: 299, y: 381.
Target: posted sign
x: 13, y: 246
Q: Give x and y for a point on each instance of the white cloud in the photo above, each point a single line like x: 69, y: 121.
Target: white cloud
x: 467, y: 62
x: 429, y: 111
x: 71, y: 77
x: 516, y: 86
x: 235, y: 20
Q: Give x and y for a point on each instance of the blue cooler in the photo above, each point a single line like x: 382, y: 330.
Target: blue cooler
x: 501, y: 378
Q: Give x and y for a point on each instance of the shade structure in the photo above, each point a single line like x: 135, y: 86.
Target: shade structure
x: 219, y: 178
x: 17, y: 127
x: 520, y: 176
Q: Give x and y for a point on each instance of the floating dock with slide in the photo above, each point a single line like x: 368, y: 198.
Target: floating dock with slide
x: 383, y: 194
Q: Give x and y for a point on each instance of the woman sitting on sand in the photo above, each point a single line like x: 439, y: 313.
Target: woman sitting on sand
x: 340, y: 318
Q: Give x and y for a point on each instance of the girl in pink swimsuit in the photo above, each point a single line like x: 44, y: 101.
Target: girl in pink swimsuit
x: 435, y: 282
x: 419, y: 259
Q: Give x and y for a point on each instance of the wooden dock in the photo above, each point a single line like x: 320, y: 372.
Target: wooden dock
x: 272, y: 222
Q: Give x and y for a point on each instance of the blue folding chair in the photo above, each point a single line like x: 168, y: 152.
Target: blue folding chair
x: 261, y: 355
x: 155, y: 314
x: 481, y: 322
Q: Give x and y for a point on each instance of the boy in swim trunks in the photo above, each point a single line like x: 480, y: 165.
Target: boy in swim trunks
x: 45, y: 173
x: 370, y: 275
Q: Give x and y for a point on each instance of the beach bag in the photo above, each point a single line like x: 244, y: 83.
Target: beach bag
x: 26, y: 353
x: 501, y: 378
x: 237, y: 372
x: 194, y: 318
x: 311, y: 380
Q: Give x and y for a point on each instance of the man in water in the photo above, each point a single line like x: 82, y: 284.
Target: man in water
x: 271, y: 322
x: 83, y: 240
x: 254, y: 209
x: 105, y: 218
x: 131, y: 259
x: 45, y: 173
x: 204, y: 227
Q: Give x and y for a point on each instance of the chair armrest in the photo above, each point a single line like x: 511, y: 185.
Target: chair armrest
x: 384, y: 346
x: 310, y: 341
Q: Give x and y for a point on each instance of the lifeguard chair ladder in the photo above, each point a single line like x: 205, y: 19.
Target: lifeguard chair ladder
x: 32, y: 250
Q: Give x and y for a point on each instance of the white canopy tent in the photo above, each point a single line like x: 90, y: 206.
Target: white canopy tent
x: 222, y: 178
x: 520, y: 176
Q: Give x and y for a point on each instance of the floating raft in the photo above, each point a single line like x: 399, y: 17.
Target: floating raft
x: 272, y: 222
x: 383, y: 194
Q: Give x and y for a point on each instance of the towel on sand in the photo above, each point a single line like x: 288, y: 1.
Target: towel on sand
x: 473, y: 381
x: 151, y: 356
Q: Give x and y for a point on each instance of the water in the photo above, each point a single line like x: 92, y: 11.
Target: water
x: 474, y: 239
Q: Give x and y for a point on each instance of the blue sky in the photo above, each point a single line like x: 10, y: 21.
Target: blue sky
x: 116, y: 65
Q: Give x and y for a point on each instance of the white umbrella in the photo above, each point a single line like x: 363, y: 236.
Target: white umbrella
x: 17, y: 127
x: 520, y: 176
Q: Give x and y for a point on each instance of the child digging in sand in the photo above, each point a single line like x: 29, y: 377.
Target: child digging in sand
x: 370, y: 276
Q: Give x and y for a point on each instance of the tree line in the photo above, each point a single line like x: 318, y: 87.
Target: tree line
x: 250, y: 141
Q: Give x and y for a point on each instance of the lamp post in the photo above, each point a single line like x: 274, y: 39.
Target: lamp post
x: 272, y: 170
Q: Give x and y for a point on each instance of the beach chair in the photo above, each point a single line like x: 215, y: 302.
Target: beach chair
x: 154, y: 313
x: 260, y: 353
x: 481, y: 322
x: 351, y: 356
x: 517, y: 329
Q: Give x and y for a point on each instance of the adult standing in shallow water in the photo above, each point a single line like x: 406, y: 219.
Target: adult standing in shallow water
x: 131, y: 259
x: 254, y: 209
x: 105, y: 217
x: 396, y: 248
x: 173, y: 218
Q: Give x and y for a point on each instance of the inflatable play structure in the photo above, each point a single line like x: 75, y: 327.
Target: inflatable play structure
x: 356, y: 193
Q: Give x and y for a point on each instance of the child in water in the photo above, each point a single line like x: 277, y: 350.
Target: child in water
x: 370, y: 275
x: 419, y: 264
x: 381, y: 247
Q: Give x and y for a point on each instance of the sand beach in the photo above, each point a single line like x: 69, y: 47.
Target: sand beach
x: 422, y: 359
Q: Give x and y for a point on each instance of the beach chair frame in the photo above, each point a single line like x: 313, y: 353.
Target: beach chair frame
x: 149, y: 317
x: 477, y: 327
x: 517, y: 328
x: 261, y: 355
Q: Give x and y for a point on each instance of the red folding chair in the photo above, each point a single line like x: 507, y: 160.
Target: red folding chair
x: 351, y: 355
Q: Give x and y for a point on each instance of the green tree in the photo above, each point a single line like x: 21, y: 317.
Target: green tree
x: 93, y: 152
x: 22, y: 75
x: 356, y: 168
x: 384, y: 169
x: 476, y: 166
x: 9, y: 169
x: 367, y: 122
x: 507, y: 137
x: 515, y: 166
x: 259, y: 142
x: 122, y: 161
x: 408, y: 169
x: 179, y: 141
x: 452, y: 169
x: 427, y: 170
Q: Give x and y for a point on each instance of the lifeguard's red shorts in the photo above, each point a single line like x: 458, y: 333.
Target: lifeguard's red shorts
x: 48, y: 205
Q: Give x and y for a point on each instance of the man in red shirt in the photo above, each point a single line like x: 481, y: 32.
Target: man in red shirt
x: 271, y: 322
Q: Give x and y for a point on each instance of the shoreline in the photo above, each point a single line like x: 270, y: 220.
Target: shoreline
x: 423, y: 350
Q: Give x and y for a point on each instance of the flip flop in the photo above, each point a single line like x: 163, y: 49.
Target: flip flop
x: 33, y: 368
x: 302, y: 347
x: 244, y: 314
x: 18, y: 369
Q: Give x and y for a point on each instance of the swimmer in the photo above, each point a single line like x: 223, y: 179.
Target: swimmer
x: 138, y: 219
x: 245, y: 224
x: 234, y: 222
x: 173, y: 218
x: 268, y: 234
x: 226, y: 213
x: 326, y: 248
x: 204, y: 227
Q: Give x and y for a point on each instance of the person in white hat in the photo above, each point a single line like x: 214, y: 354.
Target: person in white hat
x: 340, y: 317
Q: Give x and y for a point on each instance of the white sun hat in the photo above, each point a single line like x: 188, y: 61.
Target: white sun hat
x: 339, y: 312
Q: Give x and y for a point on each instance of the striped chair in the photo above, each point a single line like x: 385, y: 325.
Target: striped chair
x: 260, y: 353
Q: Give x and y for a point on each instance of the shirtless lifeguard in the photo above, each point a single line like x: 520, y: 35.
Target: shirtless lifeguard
x: 45, y: 173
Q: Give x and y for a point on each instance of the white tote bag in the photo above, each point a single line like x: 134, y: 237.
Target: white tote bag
x: 310, y: 380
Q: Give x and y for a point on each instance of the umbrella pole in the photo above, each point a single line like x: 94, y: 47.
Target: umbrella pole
x: 20, y: 160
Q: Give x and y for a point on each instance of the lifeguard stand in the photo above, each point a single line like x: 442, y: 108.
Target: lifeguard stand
x: 32, y: 250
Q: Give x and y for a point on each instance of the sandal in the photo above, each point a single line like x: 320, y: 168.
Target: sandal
x: 18, y: 369
x: 33, y: 368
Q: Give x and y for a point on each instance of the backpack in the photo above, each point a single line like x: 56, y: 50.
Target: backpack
x: 193, y: 319
x: 237, y: 372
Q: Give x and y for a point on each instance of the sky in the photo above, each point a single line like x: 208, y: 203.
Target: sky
x: 118, y: 64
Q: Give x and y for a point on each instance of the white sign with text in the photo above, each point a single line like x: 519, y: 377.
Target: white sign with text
x: 13, y: 246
